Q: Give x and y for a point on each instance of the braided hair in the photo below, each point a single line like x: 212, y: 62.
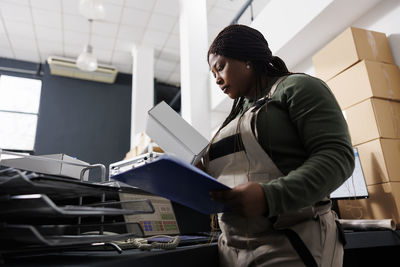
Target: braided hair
x: 244, y: 43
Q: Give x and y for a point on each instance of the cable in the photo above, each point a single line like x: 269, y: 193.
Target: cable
x: 142, y: 243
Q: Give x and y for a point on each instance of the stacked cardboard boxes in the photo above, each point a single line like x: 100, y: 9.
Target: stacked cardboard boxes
x: 358, y: 67
x: 350, y: 47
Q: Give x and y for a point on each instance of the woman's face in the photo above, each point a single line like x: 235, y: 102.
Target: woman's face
x: 233, y: 76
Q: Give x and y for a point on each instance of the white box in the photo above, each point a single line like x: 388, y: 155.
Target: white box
x: 174, y: 135
x: 48, y: 167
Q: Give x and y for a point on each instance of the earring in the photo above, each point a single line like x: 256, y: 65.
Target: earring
x: 247, y: 66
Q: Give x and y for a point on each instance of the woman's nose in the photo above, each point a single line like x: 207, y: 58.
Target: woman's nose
x: 219, y: 80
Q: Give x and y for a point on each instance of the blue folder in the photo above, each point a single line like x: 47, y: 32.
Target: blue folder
x: 178, y: 181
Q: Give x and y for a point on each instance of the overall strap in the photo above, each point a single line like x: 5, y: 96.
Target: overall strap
x: 300, y: 247
x: 275, y: 85
x: 260, y: 102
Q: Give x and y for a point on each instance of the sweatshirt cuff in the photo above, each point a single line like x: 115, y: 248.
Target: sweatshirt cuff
x: 271, y: 200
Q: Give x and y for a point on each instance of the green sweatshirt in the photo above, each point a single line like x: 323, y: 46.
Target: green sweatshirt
x: 306, y: 136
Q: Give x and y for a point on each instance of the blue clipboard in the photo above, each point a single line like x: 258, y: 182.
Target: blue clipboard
x: 178, y: 181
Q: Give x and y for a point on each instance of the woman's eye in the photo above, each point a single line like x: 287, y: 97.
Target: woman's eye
x: 220, y: 68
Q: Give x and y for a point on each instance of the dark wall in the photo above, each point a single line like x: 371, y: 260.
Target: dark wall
x: 84, y: 119
x: 19, y: 68
x: 168, y: 93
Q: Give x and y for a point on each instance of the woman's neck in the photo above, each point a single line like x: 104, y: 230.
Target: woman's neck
x: 259, y: 87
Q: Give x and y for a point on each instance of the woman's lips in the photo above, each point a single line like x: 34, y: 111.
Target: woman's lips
x: 225, y: 89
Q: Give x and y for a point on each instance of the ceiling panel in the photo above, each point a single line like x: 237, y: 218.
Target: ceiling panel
x: 130, y: 33
x: 51, y: 5
x: 246, y: 17
x: 17, y: 2
x: 164, y: 65
x: 20, y: 29
x: 70, y: 7
x: 72, y: 51
x: 125, y: 57
x: 75, y: 23
x: 55, y: 27
x: 46, y: 18
x: 105, y: 29
x: 170, y: 7
x: 124, y: 68
x: 218, y: 16
x: 72, y: 38
x: 27, y: 55
x: 115, y: 2
x: 140, y: 4
x: 235, y: 5
x: 162, y: 75
x: 161, y: 22
x: 155, y: 38
x: 2, y: 29
x: 4, y: 41
x: 135, y: 17
x: 175, y: 78
x: 213, y: 32
x: 210, y: 4
x: 168, y: 56
x: 5, y: 51
x: 171, y: 53
x: 49, y: 46
x: 102, y: 42
x: 178, y: 67
x: 124, y: 45
x: 258, y: 6
x: 16, y: 12
x: 176, y: 28
x: 113, y: 13
x: 45, y: 55
x: 46, y: 34
x: 47, y: 49
x: 19, y: 42
x: 173, y: 42
x: 103, y: 55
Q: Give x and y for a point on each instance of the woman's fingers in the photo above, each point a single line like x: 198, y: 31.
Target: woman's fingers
x: 222, y: 195
x: 246, y: 199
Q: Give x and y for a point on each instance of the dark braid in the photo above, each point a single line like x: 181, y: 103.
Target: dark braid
x: 243, y: 43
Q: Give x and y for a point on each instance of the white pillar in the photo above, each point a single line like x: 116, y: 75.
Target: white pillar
x: 195, y: 107
x: 142, y: 90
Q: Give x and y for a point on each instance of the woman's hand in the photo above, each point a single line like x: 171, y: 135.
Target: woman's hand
x: 246, y: 199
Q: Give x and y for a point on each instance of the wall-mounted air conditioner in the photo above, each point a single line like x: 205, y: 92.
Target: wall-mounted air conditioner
x: 67, y: 67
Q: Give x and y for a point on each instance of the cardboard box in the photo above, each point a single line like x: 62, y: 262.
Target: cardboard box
x: 383, y: 203
x: 380, y: 160
x: 348, y: 48
x: 373, y: 118
x: 364, y: 80
x: 174, y: 135
x: 49, y: 167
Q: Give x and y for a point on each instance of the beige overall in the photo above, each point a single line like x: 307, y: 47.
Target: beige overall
x: 257, y: 241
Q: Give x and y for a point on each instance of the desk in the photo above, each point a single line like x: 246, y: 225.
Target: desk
x: 369, y: 248
x: 372, y: 248
x: 371, y: 239
x: 193, y: 256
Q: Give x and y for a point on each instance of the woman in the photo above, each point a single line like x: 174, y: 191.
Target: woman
x: 283, y: 149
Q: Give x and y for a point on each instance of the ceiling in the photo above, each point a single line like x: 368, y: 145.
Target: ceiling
x: 32, y: 30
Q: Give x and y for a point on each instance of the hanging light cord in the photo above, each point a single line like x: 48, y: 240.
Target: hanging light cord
x: 90, y: 31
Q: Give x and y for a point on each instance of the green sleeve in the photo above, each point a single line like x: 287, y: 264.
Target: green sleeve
x: 320, y: 128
